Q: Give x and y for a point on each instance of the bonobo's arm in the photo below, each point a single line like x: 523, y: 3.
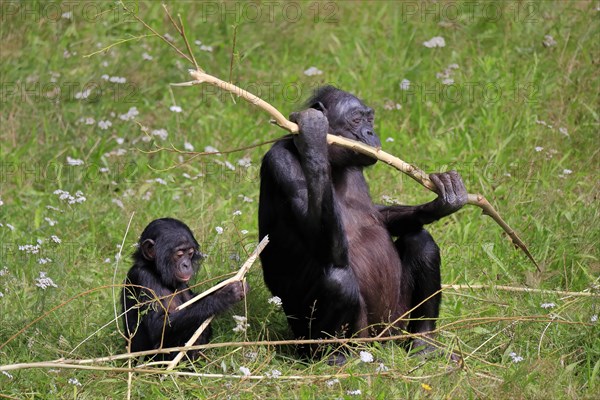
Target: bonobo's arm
x: 452, y: 196
x: 183, y: 323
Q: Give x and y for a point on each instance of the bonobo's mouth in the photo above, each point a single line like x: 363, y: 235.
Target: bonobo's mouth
x: 183, y: 278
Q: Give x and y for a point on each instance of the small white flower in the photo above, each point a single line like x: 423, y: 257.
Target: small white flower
x: 405, y: 84
x: 83, y: 95
x: 245, y: 371
x: 448, y: 81
x: 547, y: 305
x: 90, y: 121
x: 188, y: 146
x: 356, y: 392
x: 50, y: 222
x: 107, y: 260
x: 515, y: 358
x: 9, y: 376
x: 230, y: 166
x: 118, y: 203
x: 436, y: 41
x: 43, y: 261
x: 175, y: 109
x: 74, y: 382
x: 366, y: 357
x: 211, y: 149
x: 567, y: 171
x: 160, y: 181
x: 389, y: 140
x: 44, y: 281
x: 206, y: 48
x: 242, y: 323
x: 594, y: 318
x: 245, y: 162
x: 131, y: 114
x: 104, y: 124
x: 312, y: 71
x: 244, y: 232
x: 382, y: 368
x: 245, y: 199
x: 563, y: 130
x: 549, y: 41
x: 273, y: 374
x: 538, y: 148
x: 275, y: 300
x: 55, y: 239
x: 67, y: 15
x: 237, y: 213
x: 161, y: 133
x: 330, y: 383
x: 219, y: 230
x: 117, y: 79
x: 453, y: 66
x: 147, y: 56
x: 168, y: 37
x: 74, y: 162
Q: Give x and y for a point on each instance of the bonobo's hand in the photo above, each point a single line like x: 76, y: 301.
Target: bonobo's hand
x: 313, y: 126
x: 234, y: 292
x: 451, y: 190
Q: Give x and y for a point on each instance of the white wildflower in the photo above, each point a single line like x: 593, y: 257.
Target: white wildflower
x: 161, y: 133
x: 563, y: 130
x: 405, y: 84
x: 547, y: 305
x: 390, y: 105
x: 44, y: 281
x: 594, y: 318
x: 448, y: 81
x: 55, y: 239
x: 211, y: 149
x: 90, y: 121
x: 67, y: 15
x: 436, y: 41
x: 515, y: 358
x: 147, y: 56
x: 30, y: 249
x: 168, y: 37
x: 50, y: 222
x: 275, y: 300
x: 230, y: 165
x: 273, y: 374
x: 245, y: 162
x: 245, y: 199
x: 382, y: 368
x: 83, y: 95
x: 188, y: 146
x: 549, y: 41
x: 219, y: 230
x: 131, y: 114
x: 206, y: 48
x: 389, y: 140
x: 366, y: 357
x: 242, y: 323
x: 244, y: 232
x: 104, y: 124
x: 118, y: 203
x: 538, y: 148
x: 237, y: 213
x: 453, y: 66
x: 117, y: 79
x: 74, y: 382
x: 43, y: 261
x: 160, y: 181
x: 9, y: 376
x: 312, y: 71
x: 330, y: 383
x: 74, y: 162
x: 245, y: 371
x: 175, y: 109
x: 356, y: 392
x: 567, y: 171
x: 4, y: 271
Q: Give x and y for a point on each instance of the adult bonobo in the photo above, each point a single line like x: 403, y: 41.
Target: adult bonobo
x: 157, y: 283
x: 342, y: 265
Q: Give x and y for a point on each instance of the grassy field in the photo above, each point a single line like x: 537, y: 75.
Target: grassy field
x: 511, y: 101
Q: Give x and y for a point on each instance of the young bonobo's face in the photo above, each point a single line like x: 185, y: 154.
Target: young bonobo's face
x: 184, y: 261
x: 351, y: 118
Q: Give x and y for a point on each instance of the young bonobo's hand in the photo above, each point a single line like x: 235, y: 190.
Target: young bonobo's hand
x: 234, y: 292
x: 451, y: 190
x: 313, y: 126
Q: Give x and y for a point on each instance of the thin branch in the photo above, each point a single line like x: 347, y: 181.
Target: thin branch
x: 522, y: 289
x: 236, y: 278
x: 190, y: 342
x: 409, y: 169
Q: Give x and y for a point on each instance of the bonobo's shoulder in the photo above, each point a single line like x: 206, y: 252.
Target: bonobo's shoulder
x: 283, y: 151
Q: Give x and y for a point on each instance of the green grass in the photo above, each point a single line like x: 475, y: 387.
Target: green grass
x: 484, y: 126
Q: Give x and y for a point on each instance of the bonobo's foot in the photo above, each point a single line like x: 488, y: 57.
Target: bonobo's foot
x: 424, y: 349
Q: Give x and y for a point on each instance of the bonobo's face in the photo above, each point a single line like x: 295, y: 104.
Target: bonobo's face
x: 185, y: 261
x: 351, y: 118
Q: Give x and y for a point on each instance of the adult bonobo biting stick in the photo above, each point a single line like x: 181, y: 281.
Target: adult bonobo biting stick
x: 342, y: 265
x: 157, y: 283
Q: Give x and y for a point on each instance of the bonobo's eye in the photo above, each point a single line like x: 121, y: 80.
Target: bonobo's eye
x: 179, y: 254
x: 191, y: 252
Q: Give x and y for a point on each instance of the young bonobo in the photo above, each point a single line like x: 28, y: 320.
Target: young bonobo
x: 342, y: 265
x: 166, y: 259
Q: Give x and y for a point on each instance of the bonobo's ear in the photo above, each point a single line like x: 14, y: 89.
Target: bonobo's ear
x: 148, y: 249
x: 319, y: 106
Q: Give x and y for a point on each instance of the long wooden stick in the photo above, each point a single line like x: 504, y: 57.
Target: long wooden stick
x: 236, y: 278
x: 409, y: 169
x: 190, y: 342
